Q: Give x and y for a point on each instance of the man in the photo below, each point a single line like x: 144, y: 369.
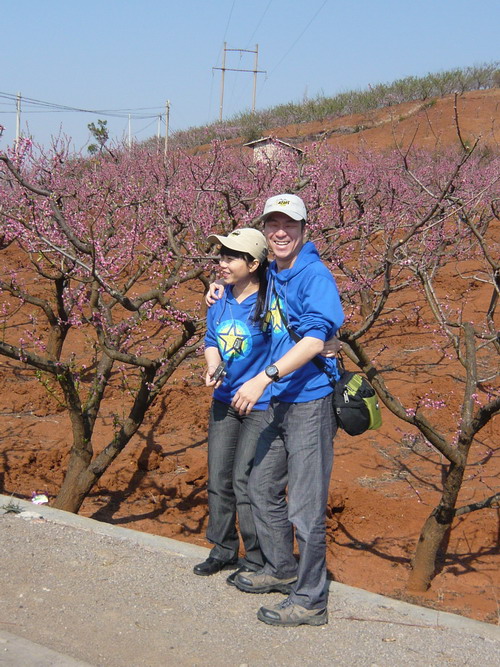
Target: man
x: 288, y: 485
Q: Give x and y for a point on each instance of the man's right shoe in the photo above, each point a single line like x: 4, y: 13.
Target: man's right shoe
x: 212, y: 566
x: 261, y: 582
x: 288, y: 614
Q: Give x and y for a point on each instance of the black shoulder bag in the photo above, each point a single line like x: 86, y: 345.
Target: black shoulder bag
x: 355, y: 401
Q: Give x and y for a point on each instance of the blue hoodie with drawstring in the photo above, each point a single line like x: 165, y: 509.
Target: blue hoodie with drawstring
x: 309, y: 302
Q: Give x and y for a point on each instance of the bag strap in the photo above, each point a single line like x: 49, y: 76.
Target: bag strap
x: 340, y: 362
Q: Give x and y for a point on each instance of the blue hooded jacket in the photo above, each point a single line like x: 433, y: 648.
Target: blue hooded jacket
x: 310, y: 302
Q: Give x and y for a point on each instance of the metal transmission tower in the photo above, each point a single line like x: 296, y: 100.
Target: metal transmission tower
x: 225, y: 69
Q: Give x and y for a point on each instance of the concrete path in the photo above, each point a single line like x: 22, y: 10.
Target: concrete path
x: 75, y: 592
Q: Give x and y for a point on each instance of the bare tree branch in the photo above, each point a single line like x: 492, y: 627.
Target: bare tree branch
x: 492, y: 501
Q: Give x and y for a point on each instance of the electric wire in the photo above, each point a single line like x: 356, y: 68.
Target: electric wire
x: 228, y: 20
x: 259, y: 23
x: 32, y: 105
x: 219, y: 55
x: 136, y: 132
x: 293, y: 45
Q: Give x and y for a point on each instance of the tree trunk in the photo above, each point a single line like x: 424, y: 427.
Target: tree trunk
x: 434, y: 532
x: 83, y: 472
x: 73, y: 491
x: 77, y: 481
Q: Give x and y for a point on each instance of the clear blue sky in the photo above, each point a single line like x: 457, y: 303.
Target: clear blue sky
x: 136, y: 54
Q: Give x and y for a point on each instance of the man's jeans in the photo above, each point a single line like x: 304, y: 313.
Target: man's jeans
x: 295, y: 449
x: 232, y: 439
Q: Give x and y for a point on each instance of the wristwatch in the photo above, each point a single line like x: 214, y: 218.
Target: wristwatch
x: 272, y: 372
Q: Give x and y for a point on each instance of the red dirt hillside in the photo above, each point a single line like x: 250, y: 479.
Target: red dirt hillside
x: 429, y: 124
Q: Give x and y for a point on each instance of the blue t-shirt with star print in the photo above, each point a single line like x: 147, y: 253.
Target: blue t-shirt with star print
x: 241, y: 343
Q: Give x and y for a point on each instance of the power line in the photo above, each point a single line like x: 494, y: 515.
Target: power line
x: 259, y: 22
x: 30, y: 106
x: 219, y: 55
x: 295, y: 42
x: 136, y: 132
x: 228, y: 21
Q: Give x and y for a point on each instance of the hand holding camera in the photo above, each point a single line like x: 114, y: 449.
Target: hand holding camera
x: 219, y: 373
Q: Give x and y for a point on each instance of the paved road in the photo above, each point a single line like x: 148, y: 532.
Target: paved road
x: 78, y: 592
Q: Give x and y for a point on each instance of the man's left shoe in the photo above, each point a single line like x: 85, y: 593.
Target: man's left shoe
x: 241, y: 570
x: 262, y: 582
x: 288, y: 614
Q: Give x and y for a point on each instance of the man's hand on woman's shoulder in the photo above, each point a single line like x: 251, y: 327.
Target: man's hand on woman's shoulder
x: 215, y: 292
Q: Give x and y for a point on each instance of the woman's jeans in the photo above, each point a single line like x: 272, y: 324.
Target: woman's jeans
x: 288, y: 488
x: 232, y: 439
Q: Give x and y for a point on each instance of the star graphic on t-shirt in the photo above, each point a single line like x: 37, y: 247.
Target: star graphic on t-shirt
x: 277, y: 324
x: 230, y: 331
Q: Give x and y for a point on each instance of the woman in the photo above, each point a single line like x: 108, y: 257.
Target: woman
x: 236, y: 349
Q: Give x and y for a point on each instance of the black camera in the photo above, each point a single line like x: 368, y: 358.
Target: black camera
x: 219, y: 372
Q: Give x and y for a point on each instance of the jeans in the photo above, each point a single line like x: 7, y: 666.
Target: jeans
x: 232, y: 439
x: 295, y: 451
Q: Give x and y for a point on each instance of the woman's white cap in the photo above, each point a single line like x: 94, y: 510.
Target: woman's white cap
x: 246, y: 239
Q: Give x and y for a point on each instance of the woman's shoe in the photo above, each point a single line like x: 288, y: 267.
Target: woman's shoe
x: 212, y: 566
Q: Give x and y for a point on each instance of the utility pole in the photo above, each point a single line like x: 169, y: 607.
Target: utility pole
x: 255, y: 76
x: 158, y: 133
x: 129, y: 134
x: 225, y: 69
x: 167, y: 122
x: 222, y: 82
x: 18, y: 119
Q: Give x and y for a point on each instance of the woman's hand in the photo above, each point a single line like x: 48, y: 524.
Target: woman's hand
x: 213, y: 359
x: 215, y: 292
x: 209, y: 381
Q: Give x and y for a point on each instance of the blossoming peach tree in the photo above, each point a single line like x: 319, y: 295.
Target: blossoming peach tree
x: 113, y: 239
x: 415, y: 239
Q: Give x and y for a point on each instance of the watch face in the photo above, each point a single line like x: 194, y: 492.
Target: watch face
x: 272, y: 372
